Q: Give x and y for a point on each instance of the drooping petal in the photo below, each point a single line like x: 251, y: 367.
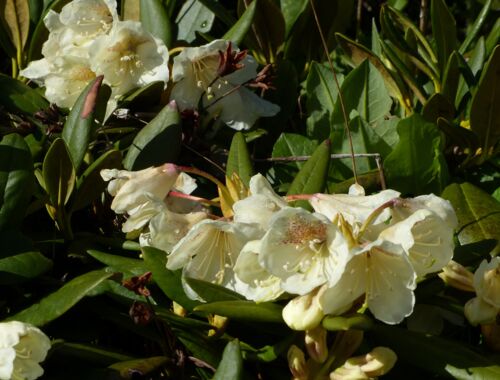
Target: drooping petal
x: 487, y: 282
x: 478, y: 311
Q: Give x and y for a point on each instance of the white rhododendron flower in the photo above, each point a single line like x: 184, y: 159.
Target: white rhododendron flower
x: 261, y: 205
x: 130, y: 189
x: 256, y: 283
x: 485, y: 307
x: 304, y: 250
x: 209, y: 251
x: 22, y: 348
x: 354, y: 208
x: 129, y: 57
x: 380, y: 271
x: 439, y: 206
x: 196, y: 76
x: 86, y: 40
x: 426, y: 239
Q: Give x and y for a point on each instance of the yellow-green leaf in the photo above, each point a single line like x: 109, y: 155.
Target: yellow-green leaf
x: 16, y: 19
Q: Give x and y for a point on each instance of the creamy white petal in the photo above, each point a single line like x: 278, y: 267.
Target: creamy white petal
x: 426, y: 239
x: 479, y: 312
x: 256, y: 284
x: 487, y: 282
x: 304, y: 250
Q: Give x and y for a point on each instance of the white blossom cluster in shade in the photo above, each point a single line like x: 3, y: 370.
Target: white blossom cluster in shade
x: 352, y: 250
x: 22, y: 348
x: 86, y: 40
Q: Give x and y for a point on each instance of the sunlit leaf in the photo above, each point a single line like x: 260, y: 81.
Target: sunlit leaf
x: 193, y: 17
x: 155, y: 20
x: 239, y: 160
x: 239, y: 30
x: 19, y: 268
x: 478, y: 213
x: 15, y: 15
x: 231, y: 365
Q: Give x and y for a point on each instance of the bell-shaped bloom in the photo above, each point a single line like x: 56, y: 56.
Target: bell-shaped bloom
x: 209, y: 251
x: 439, y: 206
x: 427, y: 240
x: 303, y: 249
x: 196, y: 76
x: 370, y: 366
x: 261, y: 205
x: 256, y: 283
x: 381, y: 272
x: 129, y: 57
x: 133, y: 188
x: 353, y: 207
x: 484, y: 308
x: 22, y: 348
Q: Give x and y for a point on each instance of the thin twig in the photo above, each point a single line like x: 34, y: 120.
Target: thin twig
x: 423, y: 15
x: 380, y: 167
x: 305, y: 158
x: 341, y: 98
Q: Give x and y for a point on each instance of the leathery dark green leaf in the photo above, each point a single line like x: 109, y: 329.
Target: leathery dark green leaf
x: 313, y: 175
x: 478, y: 214
x: 239, y: 30
x: 157, y: 142
x: 231, y: 365
x: 58, y: 173
x: 16, y: 180
x: 244, y: 310
x: 80, y: 124
x: 63, y: 299
x: 239, y: 160
x: 155, y: 20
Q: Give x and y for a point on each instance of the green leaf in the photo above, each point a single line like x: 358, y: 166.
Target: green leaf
x: 365, y: 139
x: 239, y: 30
x: 144, y: 96
x: 476, y: 27
x: 322, y: 95
x: 19, y: 268
x: 239, y: 160
x: 435, y: 355
x: 59, y: 302
x: 364, y: 90
x: 291, y: 10
x: 155, y: 20
x: 312, y: 177
x: 168, y: 281
x: 86, y: 353
x: 131, y: 10
x: 484, y: 115
x: 358, y: 54
x: 475, y: 63
x: 444, y: 31
x: 126, y: 265
x: 58, y: 173
x: 193, y: 17
x: 80, y: 124
x: 90, y: 184
x: 450, y: 78
x: 478, y: 213
x: 157, y: 142
x: 417, y: 165
x: 268, y: 31
x: 493, y: 37
x: 211, y: 292
x: 15, y: 16
x: 244, y: 310
x: 231, y: 365
x: 139, y: 367
x: 17, y: 97
x: 353, y: 322
x: 16, y: 180
x: 438, y: 106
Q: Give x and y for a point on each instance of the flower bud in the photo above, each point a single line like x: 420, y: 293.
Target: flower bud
x: 489, y: 289
x: 303, y: 312
x: 315, y: 342
x: 297, y: 363
x: 457, y: 276
x: 178, y: 309
x: 479, y: 312
x: 374, y: 364
x: 219, y: 322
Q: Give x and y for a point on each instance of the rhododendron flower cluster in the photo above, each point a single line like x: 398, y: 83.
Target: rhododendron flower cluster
x: 354, y: 251
x: 22, y: 348
x: 87, y: 40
